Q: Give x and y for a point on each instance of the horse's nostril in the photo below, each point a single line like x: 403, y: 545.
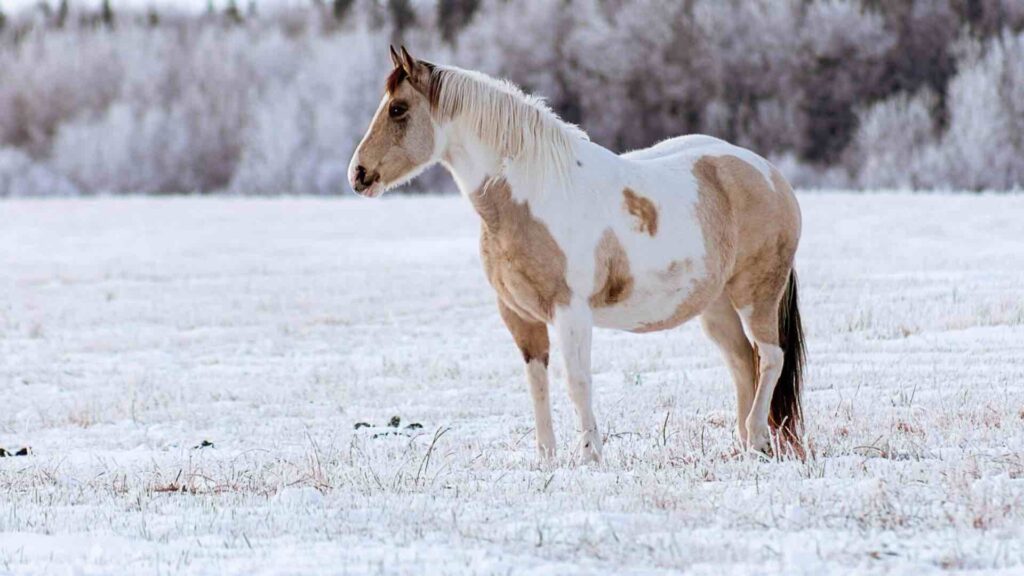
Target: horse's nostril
x: 360, y: 181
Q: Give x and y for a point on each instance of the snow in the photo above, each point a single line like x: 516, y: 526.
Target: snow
x: 131, y: 330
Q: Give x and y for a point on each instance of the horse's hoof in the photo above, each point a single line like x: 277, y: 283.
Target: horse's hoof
x: 590, y: 448
x: 741, y: 433
x: 546, y: 453
x: 759, y: 439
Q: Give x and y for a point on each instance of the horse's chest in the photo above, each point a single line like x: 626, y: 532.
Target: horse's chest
x: 523, y: 262
x: 527, y: 271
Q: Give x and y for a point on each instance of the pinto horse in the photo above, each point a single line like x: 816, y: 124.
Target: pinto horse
x: 575, y: 236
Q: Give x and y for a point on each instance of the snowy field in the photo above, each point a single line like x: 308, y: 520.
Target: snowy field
x: 133, y: 330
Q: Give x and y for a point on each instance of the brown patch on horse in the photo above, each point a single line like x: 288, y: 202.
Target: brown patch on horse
x: 522, y: 260
x: 763, y: 260
x: 676, y: 269
x: 611, y: 276
x: 643, y: 210
x: 716, y: 209
x: 530, y: 337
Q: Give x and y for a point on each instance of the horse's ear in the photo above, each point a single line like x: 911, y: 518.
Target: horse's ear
x: 395, y: 59
x: 417, y: 70
x: 408, y: 62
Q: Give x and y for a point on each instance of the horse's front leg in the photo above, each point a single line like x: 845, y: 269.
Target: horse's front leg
x: 574, y: 326
x: 532, y: 340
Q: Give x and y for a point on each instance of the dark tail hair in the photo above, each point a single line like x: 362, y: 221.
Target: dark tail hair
x: 786, y: 411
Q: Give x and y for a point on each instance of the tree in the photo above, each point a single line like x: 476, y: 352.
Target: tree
x: 844, y: 50
x: 62, y: 14
x: 340, y: 8
x: 453, y: 15
x: 107, y: 14
x: 402, y: 17
x: 232, y: 14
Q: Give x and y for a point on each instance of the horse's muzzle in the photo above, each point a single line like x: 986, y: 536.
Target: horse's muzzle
x: 363, y: 180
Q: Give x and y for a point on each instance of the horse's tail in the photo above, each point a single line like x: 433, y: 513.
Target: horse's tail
x: 786, y: 411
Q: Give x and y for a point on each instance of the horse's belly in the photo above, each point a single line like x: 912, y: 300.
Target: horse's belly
x: 659, y: 304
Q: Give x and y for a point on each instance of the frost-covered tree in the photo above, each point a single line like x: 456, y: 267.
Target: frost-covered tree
x: 752, y: 52
x: 984, y: 144
x: 921, y: 56
x: 895, y: 140
x: 402, y: 15
x: 866, y: 91
x: 900, y: 145
x: 62, y: 14
x: 845, y: 47
x: 107, y: 14
x: 303, y: 133
x: 534, y: 56
x: 453, y: 16
x: 52, y: 88
x: 340, y: 9
x: 20, y: 175
x: 231, y: 13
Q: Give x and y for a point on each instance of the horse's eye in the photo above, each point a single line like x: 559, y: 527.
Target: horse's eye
x: 397, y: 109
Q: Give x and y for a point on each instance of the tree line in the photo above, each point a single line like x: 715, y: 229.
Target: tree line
x: 255, y: 98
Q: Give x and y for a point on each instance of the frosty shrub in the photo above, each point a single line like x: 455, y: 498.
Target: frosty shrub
x: 303, y: 133
x: 984, y: 145
x: 179, y: 121
x: 48, y: 79
x: 910, y: 94
x: 845, y: 48
x: 898, y: 144
x: 21, y: 176
x: 895, y: 139
x: 753, y: 97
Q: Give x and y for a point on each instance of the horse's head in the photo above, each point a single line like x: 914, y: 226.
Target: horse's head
x: 403, y: 138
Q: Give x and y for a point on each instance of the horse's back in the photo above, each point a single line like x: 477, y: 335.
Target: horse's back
x: 689, y: 149
x: 674, y: 146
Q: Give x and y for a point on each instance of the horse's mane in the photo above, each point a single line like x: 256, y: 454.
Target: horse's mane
x: 520, y: 128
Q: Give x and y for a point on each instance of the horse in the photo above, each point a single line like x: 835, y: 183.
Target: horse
x: 574, y: 236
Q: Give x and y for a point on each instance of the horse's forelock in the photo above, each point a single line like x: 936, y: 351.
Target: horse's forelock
x: 395, y: 79
x: 433, y: 92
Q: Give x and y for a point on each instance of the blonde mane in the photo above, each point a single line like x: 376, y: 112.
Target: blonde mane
x: 520, y: 128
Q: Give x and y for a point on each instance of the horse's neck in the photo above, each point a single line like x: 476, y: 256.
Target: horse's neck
x: 469, y: 162
x: 472, y: 164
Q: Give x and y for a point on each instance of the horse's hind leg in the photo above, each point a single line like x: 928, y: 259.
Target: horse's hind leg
x: 532, y: 340
x: 723, y: 326
x: 757, y: 295
x: 770, y: 362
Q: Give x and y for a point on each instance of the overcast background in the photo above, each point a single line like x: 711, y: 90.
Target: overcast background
x: 260, y: 97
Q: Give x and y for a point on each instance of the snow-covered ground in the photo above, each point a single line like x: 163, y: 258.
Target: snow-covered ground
x: 133, y: 330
